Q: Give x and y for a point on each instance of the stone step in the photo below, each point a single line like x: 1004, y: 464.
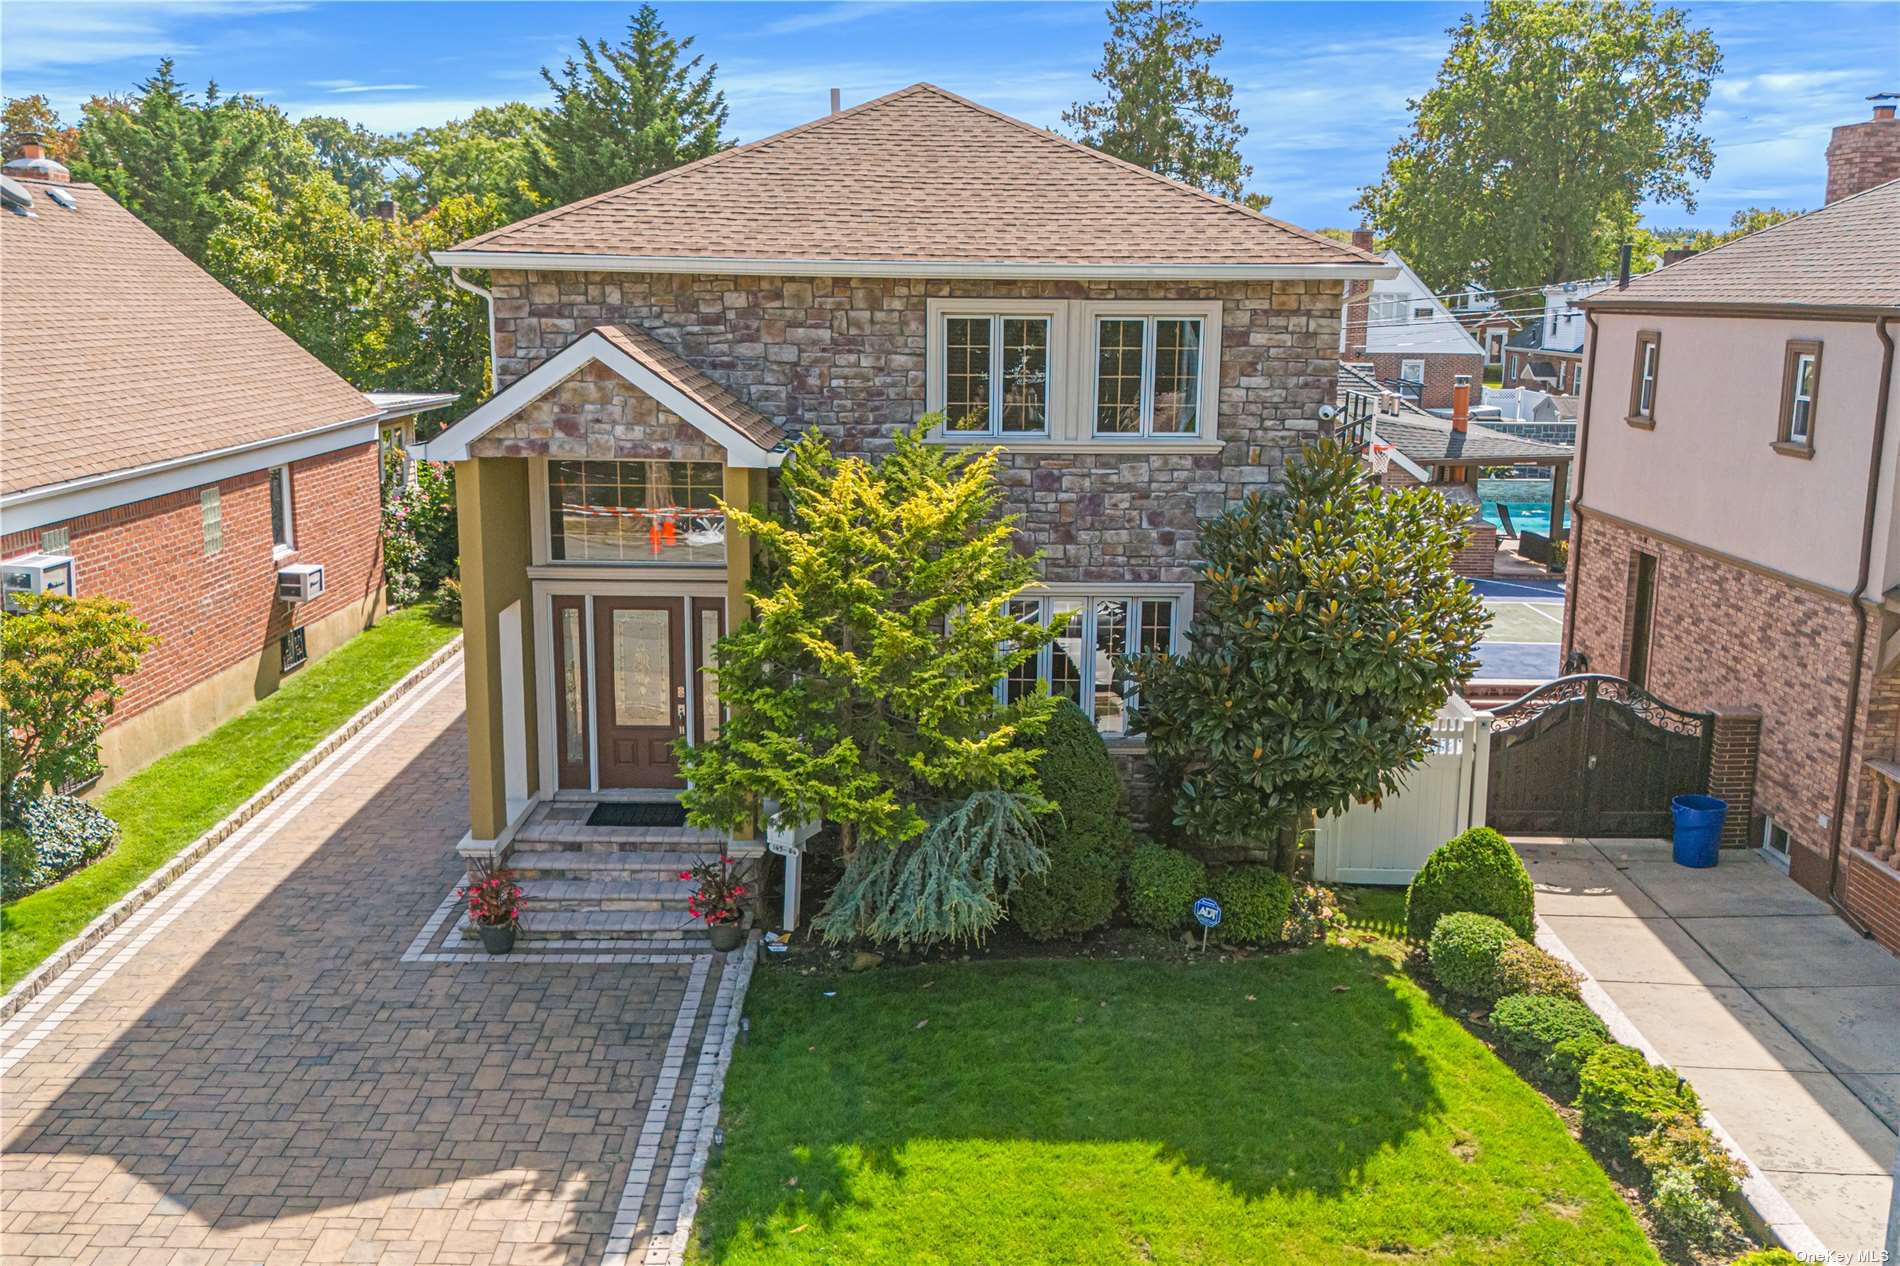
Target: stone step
x: 593, y: 893
x: 564, y: 837
x: 612, y: 925
x: 609, y: 865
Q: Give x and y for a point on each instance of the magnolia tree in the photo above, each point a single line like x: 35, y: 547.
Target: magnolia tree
x: 863, y: 690
x: 1329, y: 627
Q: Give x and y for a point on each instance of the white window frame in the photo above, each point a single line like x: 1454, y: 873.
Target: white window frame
x: 1072, y: 372
x: 1088, y: 596
x: 289, y: 544
x: 1769, y: 830
x: 1051, y: 371
x: 1805, y: 435
x: 1646, y: 388
x: 1386, y: 307
x: 1147, y: 410
x: 1405, y: 369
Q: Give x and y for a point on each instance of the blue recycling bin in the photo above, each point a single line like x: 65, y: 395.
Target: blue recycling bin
x: 1698, y: 838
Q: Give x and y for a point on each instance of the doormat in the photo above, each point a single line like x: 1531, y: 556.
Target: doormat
x: 637, y: 813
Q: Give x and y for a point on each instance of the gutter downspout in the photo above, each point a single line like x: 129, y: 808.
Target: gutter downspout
x: 1874, y: 464
x: 1576, y: 488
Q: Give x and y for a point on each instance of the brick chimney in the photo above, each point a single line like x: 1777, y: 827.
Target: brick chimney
x: 1461, y: 403
x: 1358, y: 304
x: 1862, y: 155
x: 32, y: 162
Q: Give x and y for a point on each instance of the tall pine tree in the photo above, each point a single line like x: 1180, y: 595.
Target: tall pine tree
x: 1166, y: 109
x: 623, y: 113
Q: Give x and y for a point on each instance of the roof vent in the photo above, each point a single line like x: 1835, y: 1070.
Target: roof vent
x: 64, y: 197
x: 15, y: 196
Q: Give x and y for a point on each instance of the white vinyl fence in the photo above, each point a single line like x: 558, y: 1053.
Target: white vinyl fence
x: 1442, y: 797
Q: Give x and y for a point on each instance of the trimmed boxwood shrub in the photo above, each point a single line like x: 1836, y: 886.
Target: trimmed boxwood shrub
x: 1566, y: 1060
x: 1620, y: 1095
x: 1477, y: 871
x: 1524, y: 968
x: 1464, y: 951
x: 1162, y: 886
x: 1255, y: 901
x: 1086, y: 837
x: 64, y: 833
x: 1531, y: 1025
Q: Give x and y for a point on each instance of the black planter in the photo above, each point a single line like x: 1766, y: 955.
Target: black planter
x: 726, y: 937
x: 497, y: 938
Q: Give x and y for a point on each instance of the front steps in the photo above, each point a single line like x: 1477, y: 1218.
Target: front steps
x: 612, y: 883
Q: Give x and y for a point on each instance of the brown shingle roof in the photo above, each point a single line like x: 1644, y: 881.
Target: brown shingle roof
x: 116, y: 351
x: 1846, y: 255
x: 919, y: 175
x: 716, y: 400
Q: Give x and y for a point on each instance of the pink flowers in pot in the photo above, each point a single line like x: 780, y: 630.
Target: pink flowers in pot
x: 494, y: 899
x: 717, y: 899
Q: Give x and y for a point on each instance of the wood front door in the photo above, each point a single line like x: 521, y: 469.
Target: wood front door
x: 640, y: 689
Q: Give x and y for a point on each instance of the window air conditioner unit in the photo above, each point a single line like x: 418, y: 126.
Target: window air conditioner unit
x: 300, y: 582
x: 38, y: 573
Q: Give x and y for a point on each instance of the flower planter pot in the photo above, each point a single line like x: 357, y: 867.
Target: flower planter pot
x: 497, y: 938
x: 726, y: 937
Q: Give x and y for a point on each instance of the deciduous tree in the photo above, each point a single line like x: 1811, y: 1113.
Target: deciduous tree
x: 625, y: 112
x: 1165, y: 109
x: 35, y: 115
x: 1550, y: 122
x: 489, y: 155
x: 1328, y: 630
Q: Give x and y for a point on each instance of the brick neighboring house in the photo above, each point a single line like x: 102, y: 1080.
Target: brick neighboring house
x: 165, y: 444
x: 1146, y: 353
x: 1412, y: 340
x: 1736, y: 546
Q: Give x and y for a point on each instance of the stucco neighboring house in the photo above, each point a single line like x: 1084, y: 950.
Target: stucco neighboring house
x: 1146, y: 354
x: 1407, y: 334
x: 1547, y: 353
x: 162, y: 443
x: 1736, y: 545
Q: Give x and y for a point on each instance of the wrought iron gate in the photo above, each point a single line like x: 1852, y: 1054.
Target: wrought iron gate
x: 1594, y: 755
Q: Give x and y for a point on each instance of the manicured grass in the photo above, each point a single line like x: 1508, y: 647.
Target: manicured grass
x: 176, y: 799
x: 1303, y: 1108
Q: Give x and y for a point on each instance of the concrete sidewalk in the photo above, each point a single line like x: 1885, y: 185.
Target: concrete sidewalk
x: 1784, y: 1020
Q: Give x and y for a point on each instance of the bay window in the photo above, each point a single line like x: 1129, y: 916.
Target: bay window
x: 996, y: 375
x: 1148, y: 375
x: 1092, y: 631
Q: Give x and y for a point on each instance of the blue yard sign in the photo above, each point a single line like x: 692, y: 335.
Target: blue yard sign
x: 1207, y: 914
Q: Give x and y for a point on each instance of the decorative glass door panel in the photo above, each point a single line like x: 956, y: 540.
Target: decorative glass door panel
x: 570, y: 693
x: 641, y: 684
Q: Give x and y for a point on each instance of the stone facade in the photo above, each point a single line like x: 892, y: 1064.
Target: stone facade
x: 849, y: 356
x: 595, y: 413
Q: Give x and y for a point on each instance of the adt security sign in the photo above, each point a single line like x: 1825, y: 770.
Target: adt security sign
x: 1207, y: 914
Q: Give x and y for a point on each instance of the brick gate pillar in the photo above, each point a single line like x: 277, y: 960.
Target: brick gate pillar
x: 1732, y: 770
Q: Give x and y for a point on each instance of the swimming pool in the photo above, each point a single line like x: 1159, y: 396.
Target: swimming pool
x: 1533, y: 516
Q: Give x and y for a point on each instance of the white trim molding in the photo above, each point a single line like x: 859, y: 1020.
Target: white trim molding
x: 76, y: 498
x: 758, y: 266
x: 452, y: 444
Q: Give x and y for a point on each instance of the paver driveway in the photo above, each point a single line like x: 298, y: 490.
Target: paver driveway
x: 265, y: 1080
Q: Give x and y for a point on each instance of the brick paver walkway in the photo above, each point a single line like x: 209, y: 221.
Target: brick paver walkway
x: 265, y: 1080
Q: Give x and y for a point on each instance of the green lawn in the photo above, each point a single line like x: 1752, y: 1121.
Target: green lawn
x: 173, y: 801
x: 1302, y: 1108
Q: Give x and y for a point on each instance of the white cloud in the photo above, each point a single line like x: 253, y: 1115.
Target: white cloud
x: 351, y: 85
x: 43, y: 35
x: 830, y: 15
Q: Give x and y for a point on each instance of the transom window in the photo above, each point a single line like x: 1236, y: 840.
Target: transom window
x: 636, y: 512
x: 1091, y: 631
x: 996, y: 375
x: 1148, y: 375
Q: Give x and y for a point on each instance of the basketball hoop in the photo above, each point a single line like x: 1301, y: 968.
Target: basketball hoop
x: 1380, y: 458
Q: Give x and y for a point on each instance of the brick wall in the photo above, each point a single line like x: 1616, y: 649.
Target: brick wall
x: 1479, y: 557
x: 1871, y: 892
x: 1862, y: 155
x: 1725, y: 637
x: 211, y: 612
x: 1733, y: 761
x: 848, y: 356
x: 1440, y: 369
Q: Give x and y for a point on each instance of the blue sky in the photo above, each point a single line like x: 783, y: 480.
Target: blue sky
x: 1322, y: 87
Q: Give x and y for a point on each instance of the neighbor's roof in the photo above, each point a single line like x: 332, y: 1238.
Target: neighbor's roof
x: 920, y: 181
x: 116, y: 351
x: 1428, y: 439
x: 401, y: 404
x: 1846, y: 255
x: 709, y: 395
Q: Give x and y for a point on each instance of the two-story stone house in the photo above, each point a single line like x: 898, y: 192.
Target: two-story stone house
x: 1735, y: 544
x: 1146, y: 353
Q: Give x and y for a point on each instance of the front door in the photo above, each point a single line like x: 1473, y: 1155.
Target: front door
x: 640, y: 695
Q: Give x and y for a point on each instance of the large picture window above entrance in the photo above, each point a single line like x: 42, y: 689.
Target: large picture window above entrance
x: 636, y: 512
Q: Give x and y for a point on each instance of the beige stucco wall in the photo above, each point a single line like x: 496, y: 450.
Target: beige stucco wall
x: 194, y: 712
x: 1707, y: 471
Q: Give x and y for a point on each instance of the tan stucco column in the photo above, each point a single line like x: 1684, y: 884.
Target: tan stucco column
x: 744, y: 488
x: 491, y: 508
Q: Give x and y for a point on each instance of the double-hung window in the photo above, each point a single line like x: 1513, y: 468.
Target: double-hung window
x: 1148, y: 375
x: 996, y: 375
x: 1092, y: 631
x: 1800, y: 393
x: 1643, y: 378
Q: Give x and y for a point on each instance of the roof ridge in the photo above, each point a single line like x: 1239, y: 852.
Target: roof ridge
x: 710, y: 160
x: 1180, y: 186
x: 1823, y: 209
